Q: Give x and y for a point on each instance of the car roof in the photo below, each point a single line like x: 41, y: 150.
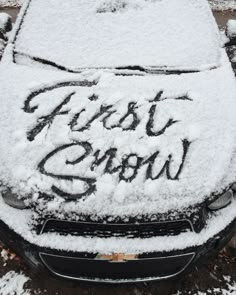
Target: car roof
x: 171, y: 34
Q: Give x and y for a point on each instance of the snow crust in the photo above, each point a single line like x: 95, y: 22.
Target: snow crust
x: 205, y: 120
x: 177, y: 34
x: 13, y: 283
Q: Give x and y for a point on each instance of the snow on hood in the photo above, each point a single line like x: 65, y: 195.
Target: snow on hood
x: 21, y: 222
x: 117, y: 144
x: 174, y: 34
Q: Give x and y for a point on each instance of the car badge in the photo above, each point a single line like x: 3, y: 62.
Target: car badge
x: 117, y: 257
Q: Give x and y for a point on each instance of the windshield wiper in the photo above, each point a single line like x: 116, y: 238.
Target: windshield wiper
x: 154, y: 70
x: 126, y: 70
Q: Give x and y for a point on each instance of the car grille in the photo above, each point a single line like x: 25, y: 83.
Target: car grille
x: 88, y: 269
x: 128, y: 230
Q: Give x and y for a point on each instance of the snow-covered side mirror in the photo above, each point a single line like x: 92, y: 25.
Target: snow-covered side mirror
x: 5, y: 22
x: 231, y: 32
x: 5, y: 28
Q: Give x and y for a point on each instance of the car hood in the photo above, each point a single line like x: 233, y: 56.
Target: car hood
x: 100, y: 143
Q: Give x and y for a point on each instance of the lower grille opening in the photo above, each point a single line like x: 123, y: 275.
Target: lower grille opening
x: 128, y: 230
x: 93, y: 269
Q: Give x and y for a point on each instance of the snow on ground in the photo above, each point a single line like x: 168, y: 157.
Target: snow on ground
x: 231, y: 289
x: 11, y: 3
x: 13, y: 283
x: 223, y: 4
x: 217, y: 291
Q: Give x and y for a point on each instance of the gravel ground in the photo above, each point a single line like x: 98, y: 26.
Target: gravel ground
x: 223, y: 4
x: 11, y: 3
x: 216, y: 277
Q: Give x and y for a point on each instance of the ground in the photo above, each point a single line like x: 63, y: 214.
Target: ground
x: 10, y: 2
x: 222, y: 4
x: 216, y: 277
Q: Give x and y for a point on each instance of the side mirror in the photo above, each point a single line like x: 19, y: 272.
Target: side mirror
x: 231, y: 32
x: 5, y: 22
x: 5, y: 27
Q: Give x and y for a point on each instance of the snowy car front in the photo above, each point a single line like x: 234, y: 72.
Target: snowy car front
x: 126, y: 171
x: 152, y: 208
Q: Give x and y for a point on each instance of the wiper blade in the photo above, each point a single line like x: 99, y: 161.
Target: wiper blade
x: 154, y: 70
x: 130, y: 70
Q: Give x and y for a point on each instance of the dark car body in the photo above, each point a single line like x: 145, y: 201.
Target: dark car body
x: 118, y: 138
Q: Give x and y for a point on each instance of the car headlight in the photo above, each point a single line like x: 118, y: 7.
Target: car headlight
x: 222, y: 201
x: 12, y: 200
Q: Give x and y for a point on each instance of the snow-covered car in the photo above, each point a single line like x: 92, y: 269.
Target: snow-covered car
x: 117, y: 138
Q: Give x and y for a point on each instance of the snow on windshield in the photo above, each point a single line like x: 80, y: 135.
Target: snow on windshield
x: 13, y: 283
x: 176, y: 34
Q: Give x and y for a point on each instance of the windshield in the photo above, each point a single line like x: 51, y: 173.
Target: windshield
x: 147, y: 35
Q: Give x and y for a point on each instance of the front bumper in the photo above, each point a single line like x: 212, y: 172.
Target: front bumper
x: 84, y: 265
